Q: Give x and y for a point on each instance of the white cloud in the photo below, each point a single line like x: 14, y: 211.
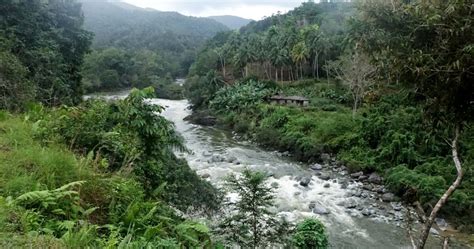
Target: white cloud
x: 255, y: 9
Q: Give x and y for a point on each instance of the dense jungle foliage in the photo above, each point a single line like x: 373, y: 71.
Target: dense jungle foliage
x: 408, y: 64
x: 42, y: 47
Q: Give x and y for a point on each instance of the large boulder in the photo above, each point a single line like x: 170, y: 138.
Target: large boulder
x: 316, y: 166
x: 305, y: 181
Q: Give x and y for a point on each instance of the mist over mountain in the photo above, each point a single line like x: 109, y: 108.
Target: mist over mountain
x: 232, y: 22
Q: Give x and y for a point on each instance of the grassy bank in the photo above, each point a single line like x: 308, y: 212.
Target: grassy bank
x: 65, y: 183
x: 388, y: 135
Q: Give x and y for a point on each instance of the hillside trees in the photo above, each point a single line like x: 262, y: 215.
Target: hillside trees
x: 429, y: 47
x: 48, y: 39
x: 286, y: 47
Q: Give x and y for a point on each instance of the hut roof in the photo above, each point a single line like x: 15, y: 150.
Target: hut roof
x: 282, y: 97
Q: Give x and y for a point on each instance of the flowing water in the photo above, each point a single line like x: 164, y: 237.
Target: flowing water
x: 347, y: 228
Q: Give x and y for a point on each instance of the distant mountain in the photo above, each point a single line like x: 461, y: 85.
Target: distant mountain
x: 232, y: 22
x: 128, y: 26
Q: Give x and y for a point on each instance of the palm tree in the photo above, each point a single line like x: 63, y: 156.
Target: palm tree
x: 299, y: 54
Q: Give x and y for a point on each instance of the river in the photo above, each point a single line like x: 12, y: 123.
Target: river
x: 347, y: 227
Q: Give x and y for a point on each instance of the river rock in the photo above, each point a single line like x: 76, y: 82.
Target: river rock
x: 297, y: 193
x: 320, y: 210
x: 442, y: 224
x: 312, y: 205
x: 286, y: 153
x: 379, y: 189
x: 216, y: 159
x: 367, y: 187
x: 388, y: 197
x: 274, y: 185
x: 397, y: 206
x: 205, y: 176
x: 363, y: 178
x: 344, y: 185
x: 305, y: 181
x: 434, y: 231
x: 357, y: 175
x: 356, y: 193
x: 201, y: 118
x: 375, y: 178
x: 350, y: 204
x: 327, y: 185
x: 366, y: 212
x: 324, y: 176
x: 317, y: 166
x: 206, y: 153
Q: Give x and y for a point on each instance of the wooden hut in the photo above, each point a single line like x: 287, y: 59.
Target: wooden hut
x: 289, y: 100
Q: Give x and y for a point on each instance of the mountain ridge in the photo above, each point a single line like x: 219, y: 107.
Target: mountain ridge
x: 231, y: 21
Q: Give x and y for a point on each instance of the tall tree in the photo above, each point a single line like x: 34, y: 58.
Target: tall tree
x: 356, y: 71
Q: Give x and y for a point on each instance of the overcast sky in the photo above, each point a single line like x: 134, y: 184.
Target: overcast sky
x: 253, y: 9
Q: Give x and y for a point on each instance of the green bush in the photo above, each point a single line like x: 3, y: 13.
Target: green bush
x: 310, y: 234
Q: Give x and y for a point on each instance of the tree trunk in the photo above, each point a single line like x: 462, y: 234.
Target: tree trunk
x: 354, y: 108
x: 265, y: 69
x: 281, y: 74
x: 457, y: 163
x: 327, y: 73
x: 276, y: 75
x: 246, y: 70
x: 223, y: 68
x: 301, y: 70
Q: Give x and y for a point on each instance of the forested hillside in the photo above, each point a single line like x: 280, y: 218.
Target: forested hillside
x: 389, y: 86
x: 141, y: 46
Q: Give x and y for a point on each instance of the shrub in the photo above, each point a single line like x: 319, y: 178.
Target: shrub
x: 310, y: 234
x: 241, y: 96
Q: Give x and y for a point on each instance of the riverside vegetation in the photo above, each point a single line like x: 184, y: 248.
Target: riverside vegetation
x: 396, y: 96
x: 92, y: 173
